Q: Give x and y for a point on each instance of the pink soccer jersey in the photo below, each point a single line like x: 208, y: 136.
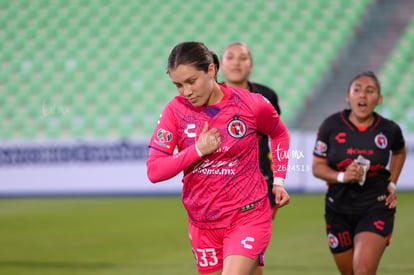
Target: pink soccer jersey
x: 230, y: 178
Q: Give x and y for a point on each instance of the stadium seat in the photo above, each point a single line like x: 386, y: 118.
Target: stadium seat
x: 105, y: 60
x: 396, y: 76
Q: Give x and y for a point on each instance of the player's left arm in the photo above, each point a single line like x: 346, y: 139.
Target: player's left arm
x: 268, y: 122
x: 396, y: 165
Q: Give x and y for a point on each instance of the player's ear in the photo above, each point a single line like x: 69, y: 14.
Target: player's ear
x: 211, y: 70
x: 251, y: 68
x: 347, y: 97
x: 379, y: 100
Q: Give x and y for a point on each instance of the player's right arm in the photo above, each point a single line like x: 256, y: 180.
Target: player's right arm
x: 162, y: 164
x: 320, y: 169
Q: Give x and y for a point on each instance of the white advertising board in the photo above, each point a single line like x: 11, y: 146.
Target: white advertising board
x: 119, y: 168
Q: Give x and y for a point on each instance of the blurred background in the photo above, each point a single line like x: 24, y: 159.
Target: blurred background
x: 82, y: 82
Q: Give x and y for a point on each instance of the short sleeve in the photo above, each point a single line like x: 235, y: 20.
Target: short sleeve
x: 164, y: 137
x: 399, y: 141
x: 267, y: 117
x: 322, y: 141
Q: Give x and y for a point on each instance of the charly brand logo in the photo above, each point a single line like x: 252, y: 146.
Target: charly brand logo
x: 248, y: 242
x: 189, y: 131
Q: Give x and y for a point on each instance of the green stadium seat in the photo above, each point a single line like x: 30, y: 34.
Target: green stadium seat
x: 398, y: 86
x: 77, y: 50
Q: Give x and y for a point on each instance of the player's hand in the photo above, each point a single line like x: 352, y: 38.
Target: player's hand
x: 282, y: 198
x: 353, y: 172
x: 209, y: 140
x: 391, y: 200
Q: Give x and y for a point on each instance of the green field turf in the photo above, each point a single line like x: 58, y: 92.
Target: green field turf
x: 148, y: 235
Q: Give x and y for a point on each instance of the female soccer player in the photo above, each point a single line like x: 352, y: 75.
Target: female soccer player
x: 215, y: 127
x: 236, y: 65
x: 351, y: 154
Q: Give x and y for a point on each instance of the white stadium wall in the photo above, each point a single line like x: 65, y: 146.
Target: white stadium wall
x: 119, y: 168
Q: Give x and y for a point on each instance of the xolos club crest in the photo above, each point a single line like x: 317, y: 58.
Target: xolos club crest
x: 381, y: 141
x: 236, y: 128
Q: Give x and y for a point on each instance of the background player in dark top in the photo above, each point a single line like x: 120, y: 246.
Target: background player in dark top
x: 360, y: 206
x: 236, y: 65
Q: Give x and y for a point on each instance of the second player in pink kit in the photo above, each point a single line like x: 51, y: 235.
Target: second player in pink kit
x: 215, y: 129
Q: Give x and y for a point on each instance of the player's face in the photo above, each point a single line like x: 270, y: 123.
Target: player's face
x: 363, y: 96
x: 195, y: 85
x: 236, y: 64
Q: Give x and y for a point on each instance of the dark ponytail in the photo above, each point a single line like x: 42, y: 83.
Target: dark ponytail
x: 193, y: 53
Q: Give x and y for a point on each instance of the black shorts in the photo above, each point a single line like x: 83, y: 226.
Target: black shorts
x: 341, y: 228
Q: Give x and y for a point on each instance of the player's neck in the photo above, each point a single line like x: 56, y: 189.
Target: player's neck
x: 216, y: 95
x: 361, y: 122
